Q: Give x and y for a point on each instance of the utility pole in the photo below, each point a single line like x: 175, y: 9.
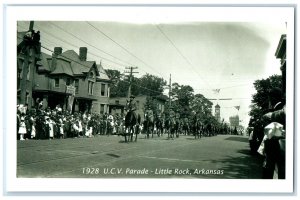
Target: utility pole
x: 30, y: 48
x: 130, y: 78
x: 25, y: 68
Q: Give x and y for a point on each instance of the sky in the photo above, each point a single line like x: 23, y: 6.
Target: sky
x: 228, y: 56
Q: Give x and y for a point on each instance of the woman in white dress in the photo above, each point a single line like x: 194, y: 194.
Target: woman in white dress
x: 33, y: 132
x: 51, y: 130
x: 22, y: 127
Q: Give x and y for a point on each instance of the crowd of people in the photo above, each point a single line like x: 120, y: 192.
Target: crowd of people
x: 57, y: 123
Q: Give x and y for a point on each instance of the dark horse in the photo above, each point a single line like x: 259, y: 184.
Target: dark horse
x: 132, y: 122
x: 149, y: 124
x: 171, y: 127
x: 158, y: 126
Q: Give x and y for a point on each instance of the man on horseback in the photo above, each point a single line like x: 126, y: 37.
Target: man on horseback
x: 131, y: 119
x: 131, y: 106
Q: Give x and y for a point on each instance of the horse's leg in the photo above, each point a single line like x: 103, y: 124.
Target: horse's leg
x: 136, y: 132
x: 168, y: 132
x: 131, y: 133
x: 158, y: 131
x: 148, y: 131
x: 152, y: 130
x: 126, y: 128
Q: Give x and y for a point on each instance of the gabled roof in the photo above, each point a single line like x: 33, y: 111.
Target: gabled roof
x: 77, y: 66
x: 102, y: 73
x: 63, y: 67
x: 44, y: 63
x: 68, y: 63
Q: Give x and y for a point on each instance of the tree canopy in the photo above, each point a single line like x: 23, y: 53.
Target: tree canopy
x: 268, y: 94
x: 149, y: 85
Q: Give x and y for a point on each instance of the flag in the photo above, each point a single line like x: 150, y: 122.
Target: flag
x: 216, y: 91
x: 237, y: 107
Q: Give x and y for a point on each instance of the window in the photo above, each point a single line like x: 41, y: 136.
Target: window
x: 76, y: 85
x: 68, y: 82
x: 102, y: 89
x: 108, y: 91
x: 117, y: 102
x: 90, y: 87
x: 56, y: 82
x: 91, y: 75
x: 102, y: 108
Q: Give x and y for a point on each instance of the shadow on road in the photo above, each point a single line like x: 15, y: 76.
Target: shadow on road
x: 246, y: 166
x: 113, y: 155
x: 238, y: 139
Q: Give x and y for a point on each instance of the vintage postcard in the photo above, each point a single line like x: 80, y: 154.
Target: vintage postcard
x: 162, y: 99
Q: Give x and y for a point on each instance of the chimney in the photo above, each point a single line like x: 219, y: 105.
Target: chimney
x: 82, y: 53
x: 57, y: 51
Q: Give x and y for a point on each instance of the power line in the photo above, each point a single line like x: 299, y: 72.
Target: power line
x: 50, y: 50
x: 47, y: 33
x: 98, y: 30
x: 224, y: 87
x: 119, y: 64
x: 90, y: 44
x: 180, y: 53
x: 214, y: 99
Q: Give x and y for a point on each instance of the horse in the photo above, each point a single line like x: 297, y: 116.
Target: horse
x: 177, y: 128
x: 131, y: 125
x: 185, y: 126
x: 170, y: 125
x: 198, y: 128
x: 195, y: 127
x: 208, y: 129
x: 158, y: 126
x: 149, y: 124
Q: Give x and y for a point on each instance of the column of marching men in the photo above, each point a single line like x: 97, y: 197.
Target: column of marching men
x: 59, y: 124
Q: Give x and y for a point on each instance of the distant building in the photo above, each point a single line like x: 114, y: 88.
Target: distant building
x: 281, y: 54
x: 218, y: 113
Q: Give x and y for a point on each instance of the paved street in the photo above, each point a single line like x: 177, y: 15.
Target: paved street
x: 221, y: 157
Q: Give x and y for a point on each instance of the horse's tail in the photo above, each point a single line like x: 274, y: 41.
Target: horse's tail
x: 139, y: 119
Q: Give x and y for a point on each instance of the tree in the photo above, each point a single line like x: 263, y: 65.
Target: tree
x: 201, y: 106
x: 183, y: 96
x: 268, y: 94
x: 118, y: 87
x: 148, y: 84
x: 151, y: 85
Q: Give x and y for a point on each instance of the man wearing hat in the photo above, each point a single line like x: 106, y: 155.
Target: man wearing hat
x: 131, y: 106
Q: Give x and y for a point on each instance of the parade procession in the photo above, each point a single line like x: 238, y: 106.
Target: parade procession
x: 85, y: 88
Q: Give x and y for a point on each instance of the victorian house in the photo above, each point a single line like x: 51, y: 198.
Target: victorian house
x: 66, y: 79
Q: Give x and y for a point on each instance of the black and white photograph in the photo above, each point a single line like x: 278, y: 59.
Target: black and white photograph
x: 158, y: 98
